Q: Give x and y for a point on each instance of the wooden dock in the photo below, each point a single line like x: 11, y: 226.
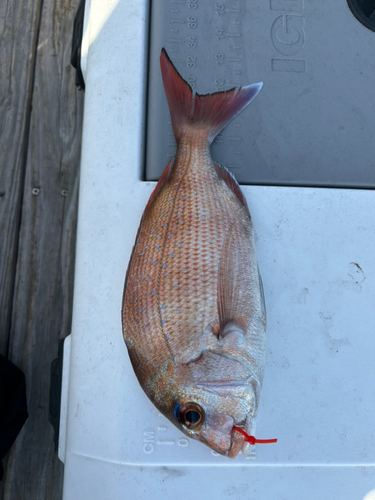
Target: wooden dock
x: 40, y: 138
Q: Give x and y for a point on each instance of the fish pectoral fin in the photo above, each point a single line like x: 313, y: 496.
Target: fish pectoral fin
x: 234, y: 282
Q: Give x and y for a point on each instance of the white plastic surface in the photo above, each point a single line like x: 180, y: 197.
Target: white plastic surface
x: 64, y: 398
x: 315, y: 252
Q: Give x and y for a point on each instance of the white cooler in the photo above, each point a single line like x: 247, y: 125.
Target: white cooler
x: 315, y: 248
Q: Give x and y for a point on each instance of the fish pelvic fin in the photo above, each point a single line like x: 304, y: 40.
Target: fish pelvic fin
x: 210, y: 112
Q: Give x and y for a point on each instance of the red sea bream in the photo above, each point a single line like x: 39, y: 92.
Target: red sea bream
x: 194, y: 319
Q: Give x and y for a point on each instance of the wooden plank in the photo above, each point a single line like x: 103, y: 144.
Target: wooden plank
x: 44, y: 279
x: 19, y: 22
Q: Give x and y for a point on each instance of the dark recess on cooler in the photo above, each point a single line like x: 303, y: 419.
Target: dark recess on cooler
x: 364, y: 11
x: 76, y: 45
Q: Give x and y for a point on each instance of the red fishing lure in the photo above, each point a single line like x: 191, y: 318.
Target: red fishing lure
x: 251, y: 439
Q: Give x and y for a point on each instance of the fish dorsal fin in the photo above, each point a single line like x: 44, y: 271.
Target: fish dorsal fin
x: 232, y: 183
x: 233, y: 284
x: 159, y: 186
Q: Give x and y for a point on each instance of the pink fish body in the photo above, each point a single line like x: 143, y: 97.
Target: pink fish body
x: 193, y: 314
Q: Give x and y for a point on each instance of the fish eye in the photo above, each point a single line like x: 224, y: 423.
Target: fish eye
x: 191, y: 416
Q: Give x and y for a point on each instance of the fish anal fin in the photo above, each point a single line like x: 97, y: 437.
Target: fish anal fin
x: 232, y: 183
x: 159, y: 186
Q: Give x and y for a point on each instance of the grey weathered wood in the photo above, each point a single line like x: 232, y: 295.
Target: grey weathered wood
x: 42, y: 302
x: 19, y: 20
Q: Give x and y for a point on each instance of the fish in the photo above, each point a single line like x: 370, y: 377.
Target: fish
x: 193, y: 311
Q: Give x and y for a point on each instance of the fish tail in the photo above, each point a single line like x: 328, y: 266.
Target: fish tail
x: 210, y: 112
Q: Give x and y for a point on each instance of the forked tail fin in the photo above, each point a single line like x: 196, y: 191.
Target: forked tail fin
x: 210, y: 111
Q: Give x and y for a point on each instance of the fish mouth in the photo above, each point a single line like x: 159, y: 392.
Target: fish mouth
x: 245, y: 445
x: 237, y: 443
x: 229, y: 446
x: 218, y: 433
